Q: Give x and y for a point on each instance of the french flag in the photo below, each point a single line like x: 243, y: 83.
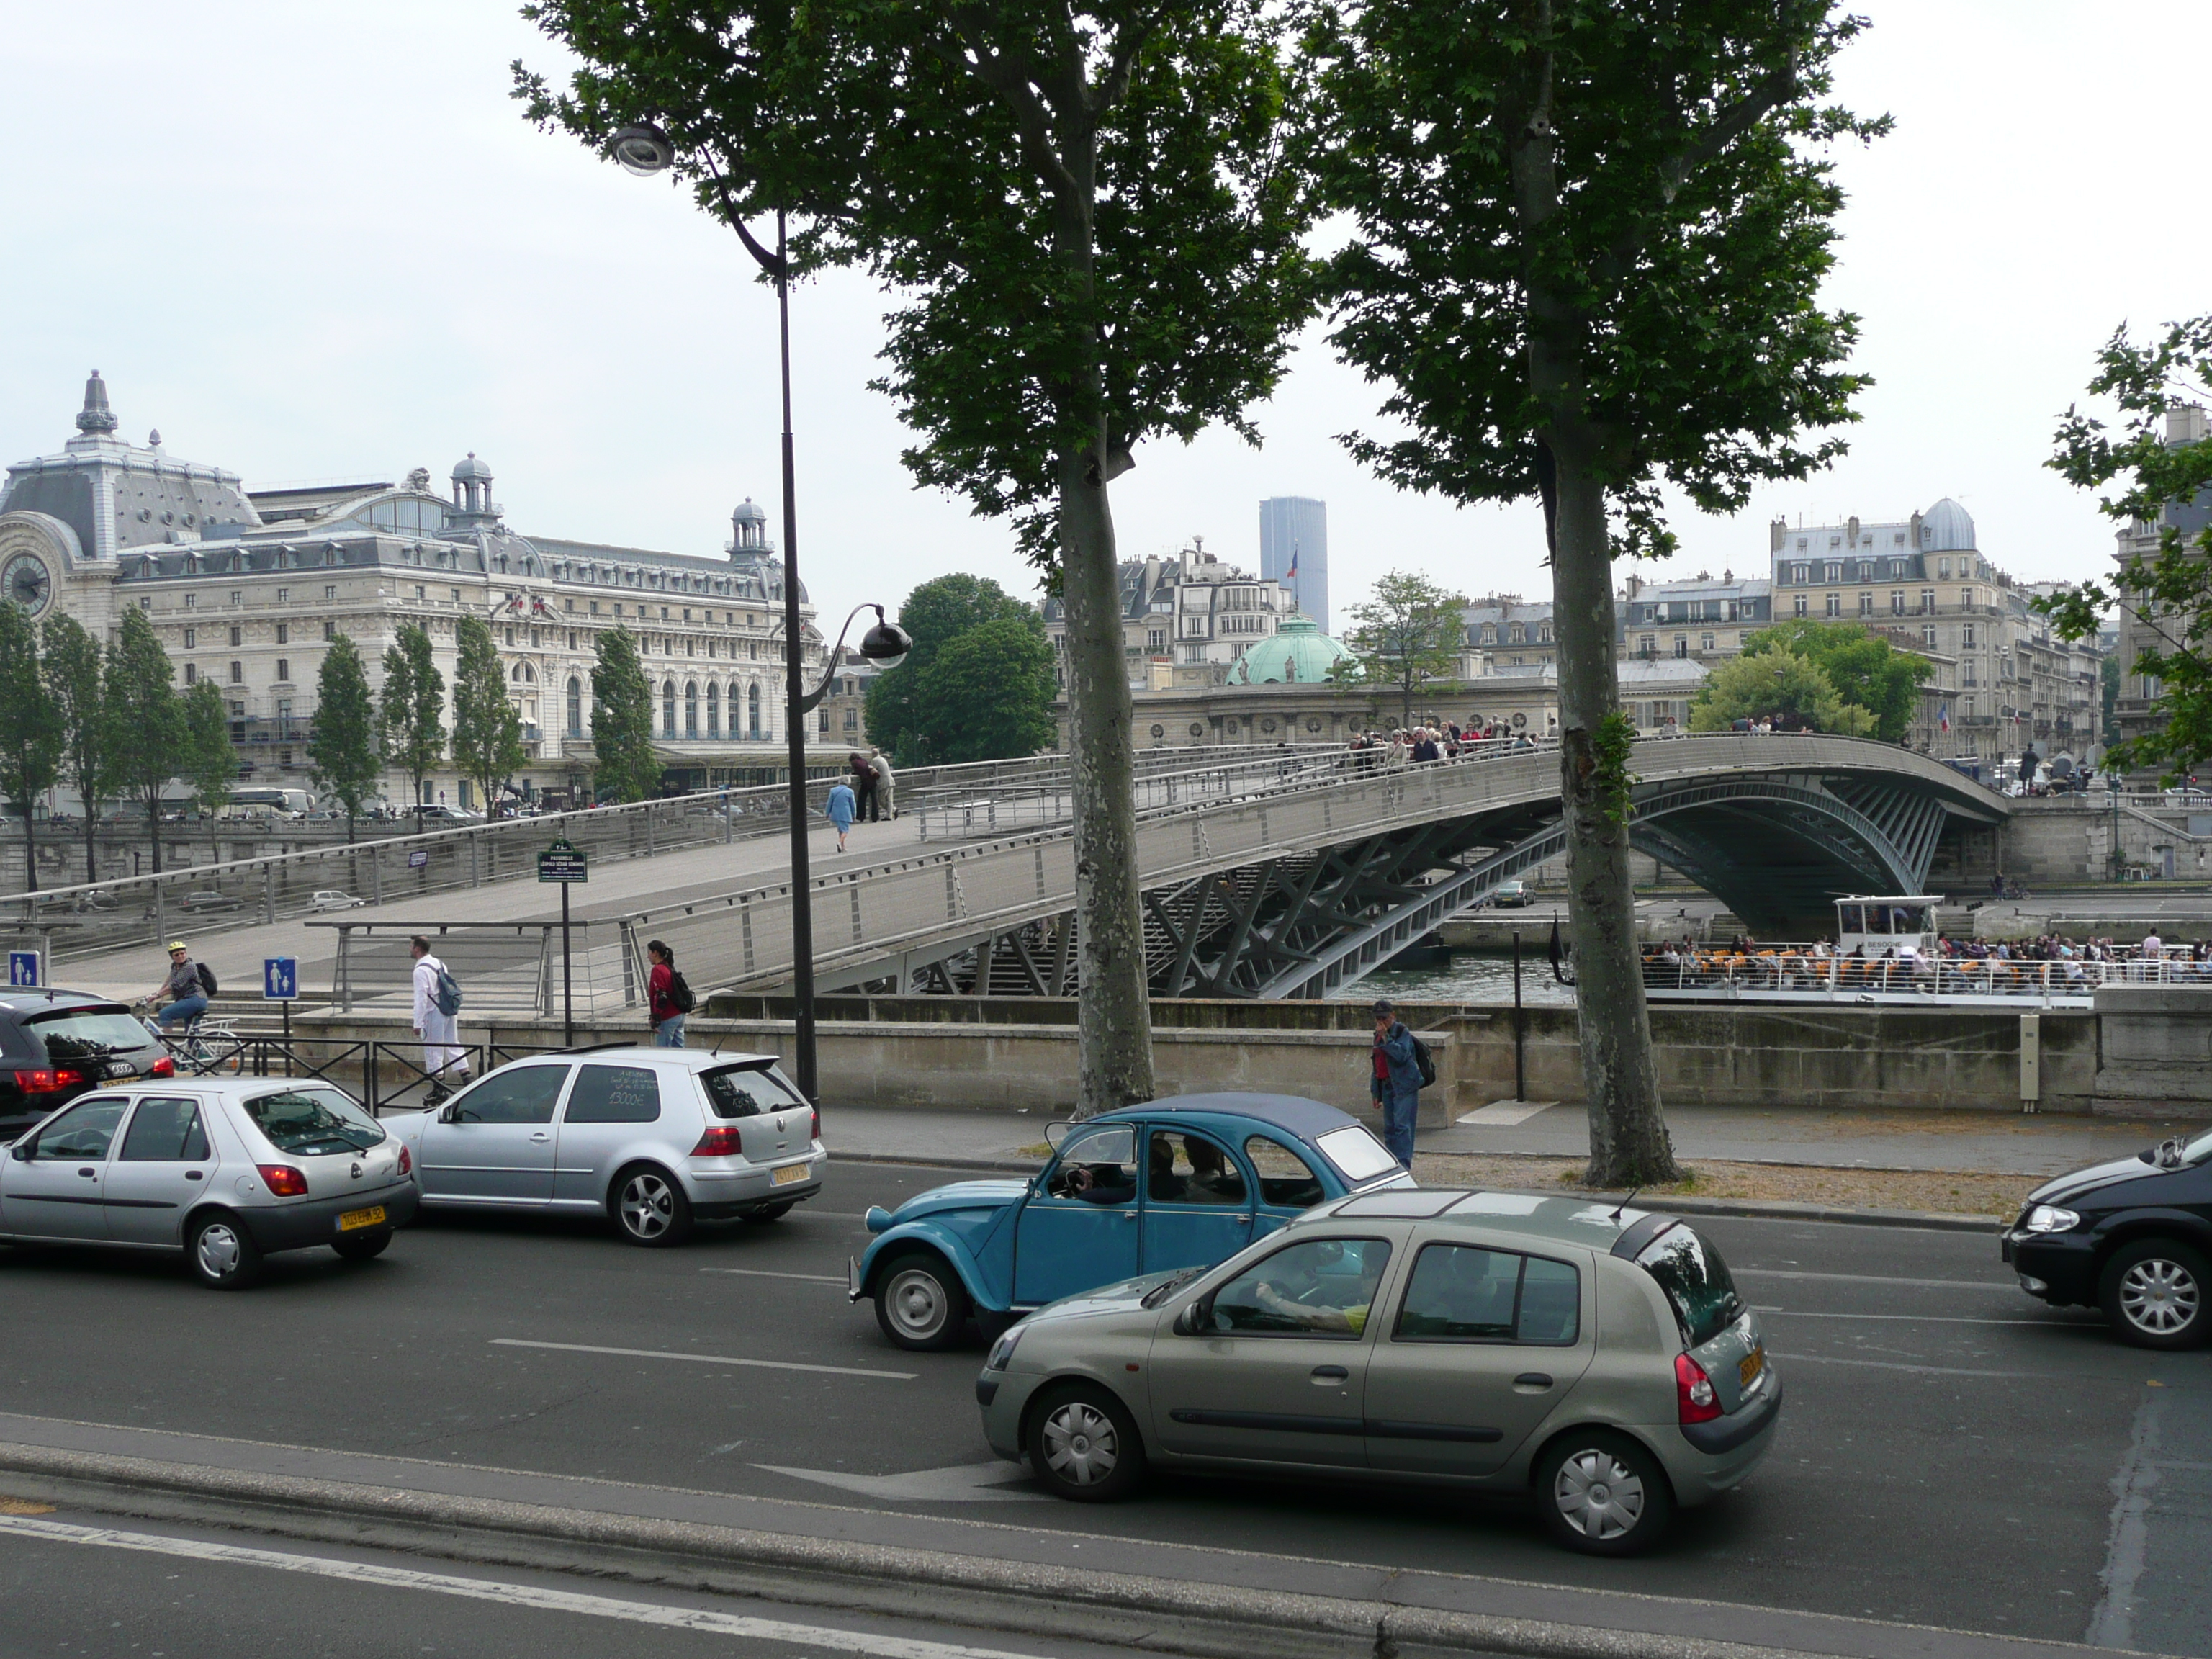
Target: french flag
x: 1944, y: 717
x: 1292, y: 574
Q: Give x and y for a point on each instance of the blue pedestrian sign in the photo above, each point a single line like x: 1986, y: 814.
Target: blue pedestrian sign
x: 23, y: 969
x: 280, y: 979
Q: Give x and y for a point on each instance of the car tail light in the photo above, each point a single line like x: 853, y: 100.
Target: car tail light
x: 406, y: 1163
x: 165, y: 1066
x: 1694, y: 1397
x: 815, y: 1132
x: 284, y: 1181
x: 721, y: 1140
x: 48, y: 1079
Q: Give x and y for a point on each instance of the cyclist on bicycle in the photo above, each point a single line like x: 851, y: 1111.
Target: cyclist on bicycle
x: 183, y: 992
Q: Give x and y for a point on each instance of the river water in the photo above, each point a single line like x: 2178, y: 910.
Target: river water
x: 1470, y: 976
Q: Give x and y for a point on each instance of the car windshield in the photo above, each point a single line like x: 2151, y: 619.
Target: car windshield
x: 1358, y: 1154
x: 1696, y: 1280
x: 749, y: 1090
x: 2198, y: 1149
x: 88, y: 1033
x: 312, y: 1122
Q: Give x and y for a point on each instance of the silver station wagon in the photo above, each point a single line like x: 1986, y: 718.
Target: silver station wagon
x: 656, y: 1139
x: 1594, y: 1356
x: 224, y: 1171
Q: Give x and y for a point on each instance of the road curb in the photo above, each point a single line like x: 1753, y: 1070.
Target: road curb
x: 1751, y: 1209
x: 1219, y: 1621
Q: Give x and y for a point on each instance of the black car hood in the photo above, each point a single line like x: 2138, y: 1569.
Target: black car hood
x: 2067, y: 1187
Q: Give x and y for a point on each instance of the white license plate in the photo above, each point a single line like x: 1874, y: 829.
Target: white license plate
x: 787, y: 1173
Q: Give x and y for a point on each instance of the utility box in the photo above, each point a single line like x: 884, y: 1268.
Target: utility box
x: 2031, y: 1061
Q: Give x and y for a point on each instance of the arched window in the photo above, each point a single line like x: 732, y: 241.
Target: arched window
x: 752, y: 713
x: 714, y: 711
x: 691, y: 709
x: 668, y: 709
x: 575, y: 706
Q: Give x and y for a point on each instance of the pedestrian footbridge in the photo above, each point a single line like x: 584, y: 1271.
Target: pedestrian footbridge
x: 1290, y: 873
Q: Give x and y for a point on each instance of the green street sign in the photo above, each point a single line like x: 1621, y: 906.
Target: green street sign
x: 563, y: 863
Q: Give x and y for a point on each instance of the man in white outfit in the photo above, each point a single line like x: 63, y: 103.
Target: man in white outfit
x: 440, y: 1042
x: 886, y: 782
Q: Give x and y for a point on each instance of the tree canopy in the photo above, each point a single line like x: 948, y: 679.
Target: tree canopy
x: 31, y: 733
x: 410, y: 711
x: 74, y: 668
x: 906, y: 714
x: 1785, y: 684
x: 1587, y: 240
x: 145, y: 718
x: 2156, y: 475
x: 987, y: 694
x: 625, y: 765
x: 207, y: 761
x: 1867, y: 672
x: 1406, y: 636
x: 343, y: 755
x: 487, y: 727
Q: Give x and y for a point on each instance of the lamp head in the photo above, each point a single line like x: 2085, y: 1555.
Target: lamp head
x: 886, y: 644
x: 643, y: 149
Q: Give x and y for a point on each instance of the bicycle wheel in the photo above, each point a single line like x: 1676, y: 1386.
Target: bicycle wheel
x: 221, y: 1054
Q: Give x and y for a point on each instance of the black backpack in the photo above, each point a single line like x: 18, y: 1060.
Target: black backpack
x: 207, y: 977
x: 679, y: 992
x: 1424, y: 1060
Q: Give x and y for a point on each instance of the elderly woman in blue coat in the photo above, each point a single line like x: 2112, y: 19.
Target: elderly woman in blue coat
x: 840, y: 809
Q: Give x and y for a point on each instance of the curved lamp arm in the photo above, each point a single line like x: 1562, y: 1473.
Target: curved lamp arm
x: 882, y: 657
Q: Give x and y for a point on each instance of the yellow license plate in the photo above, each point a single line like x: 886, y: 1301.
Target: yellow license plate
x: 1749, y: 1367
x: 787, y: 1173
x: 354, y: 1220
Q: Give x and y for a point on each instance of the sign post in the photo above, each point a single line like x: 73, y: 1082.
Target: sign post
x: 563, y: 863
x: 280, y: 984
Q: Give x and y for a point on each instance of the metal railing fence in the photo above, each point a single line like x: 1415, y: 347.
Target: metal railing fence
x: 1801, y: 969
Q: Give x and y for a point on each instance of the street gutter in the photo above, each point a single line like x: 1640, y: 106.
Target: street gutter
x: 1210, y: 1602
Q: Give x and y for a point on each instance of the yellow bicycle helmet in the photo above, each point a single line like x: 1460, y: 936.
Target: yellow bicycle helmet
x: 179, y: 945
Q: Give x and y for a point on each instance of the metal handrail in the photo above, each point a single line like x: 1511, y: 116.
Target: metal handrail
x: 1792, y: 967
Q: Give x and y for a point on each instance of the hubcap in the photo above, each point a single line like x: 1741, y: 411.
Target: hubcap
x: 648, y: 1207
x: 218, y: 1251
x: 917, y: 1304
x: 1599, y: 1495
x: 2159, y: 1297
x: 1080, y: 1446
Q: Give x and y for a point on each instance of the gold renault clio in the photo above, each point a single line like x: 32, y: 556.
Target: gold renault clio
x: 1595, y: 1355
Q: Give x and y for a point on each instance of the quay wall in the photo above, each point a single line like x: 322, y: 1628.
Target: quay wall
x: 2141, y: 1050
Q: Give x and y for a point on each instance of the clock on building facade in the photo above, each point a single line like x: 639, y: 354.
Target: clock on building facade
x: 26, y: 583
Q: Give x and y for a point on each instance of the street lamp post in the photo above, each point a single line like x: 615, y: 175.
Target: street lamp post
x: 643, y: 150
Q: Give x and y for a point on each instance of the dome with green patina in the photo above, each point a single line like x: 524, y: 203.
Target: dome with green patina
x: 1297, y: 653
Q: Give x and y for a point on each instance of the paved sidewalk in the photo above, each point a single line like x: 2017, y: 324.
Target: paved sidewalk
x: 1996, y: 1143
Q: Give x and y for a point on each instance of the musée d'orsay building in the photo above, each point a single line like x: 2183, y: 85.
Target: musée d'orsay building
x: 244, y: 588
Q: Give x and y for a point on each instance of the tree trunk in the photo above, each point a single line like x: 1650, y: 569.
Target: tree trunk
x: 1629, y: 1143
x: 30, y: 852
x: 153, y: 827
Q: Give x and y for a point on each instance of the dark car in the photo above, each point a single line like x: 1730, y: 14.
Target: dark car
x: 2133, y: 1238
x: 56, y: 1045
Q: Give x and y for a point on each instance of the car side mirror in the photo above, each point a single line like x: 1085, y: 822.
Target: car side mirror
x: 451, y: 1114
x: 20, y: 1151
x: 1191, y: 1320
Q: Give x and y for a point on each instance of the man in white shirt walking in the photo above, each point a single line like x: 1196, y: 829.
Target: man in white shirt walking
x: 441, y: 1047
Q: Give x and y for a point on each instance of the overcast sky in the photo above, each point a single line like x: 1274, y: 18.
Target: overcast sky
x: 309, y: 241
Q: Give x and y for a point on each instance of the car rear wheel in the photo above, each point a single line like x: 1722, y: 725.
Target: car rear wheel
x: 650, y: 1208
x: 1601, y: 1493
x: 222, y: 1255
x: 2153, y: 1292
x: 364, y: 1245
x: 1083, y: 1444
x: 920, y: 1302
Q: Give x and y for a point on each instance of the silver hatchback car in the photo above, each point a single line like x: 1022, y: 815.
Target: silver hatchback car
x: 1595, y: 1355
x: 655, y: 1138
x: 223, y: 1170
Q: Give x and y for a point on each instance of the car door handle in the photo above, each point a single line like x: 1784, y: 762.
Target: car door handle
x: 541, y: 1135
x: 1532, y: 1380
x: 1331, y: 1374
x: 192, y: 1174
x: 90, y: 1175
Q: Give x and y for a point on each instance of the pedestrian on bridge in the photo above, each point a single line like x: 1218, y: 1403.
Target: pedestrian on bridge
x: 839, y: 808
x: 886, y: 781
x: 864, y: 786
x: 436, y: 1024
x: 1396, y: 1087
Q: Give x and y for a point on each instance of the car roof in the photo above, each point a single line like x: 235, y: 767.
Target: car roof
x: 696, y: 1059
x: 33, y: 1002
x: 1309, y: 1120
x: 1594, y: 1224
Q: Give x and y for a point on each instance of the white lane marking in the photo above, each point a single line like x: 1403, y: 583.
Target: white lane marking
x: 1892, y: 1365
x: 1940, y: 1318
x: 1870, y: 1279
x: 702, y: 1359
x: 973, y: 1482
x: 763, y: 1273
x: 2128, y: 1544
x: 521, y: 1595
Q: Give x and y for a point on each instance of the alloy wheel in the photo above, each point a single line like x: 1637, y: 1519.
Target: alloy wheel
x: 648, y: 1206
x: 218, y: 1250
x: 916, y: 1304
x: 1598, y: 1495
x: 2159, y: 1297
x: 1080, y: 1443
